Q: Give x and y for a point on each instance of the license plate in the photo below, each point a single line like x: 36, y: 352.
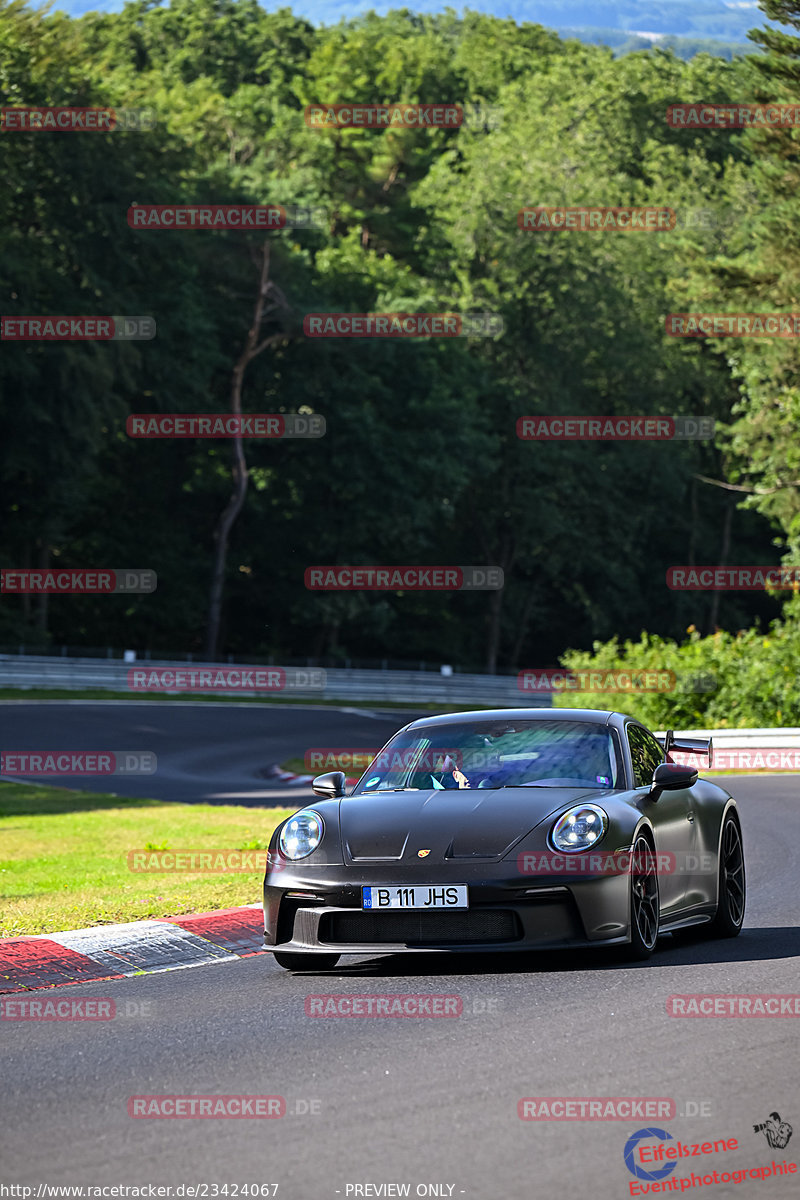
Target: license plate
x: 395, y: 896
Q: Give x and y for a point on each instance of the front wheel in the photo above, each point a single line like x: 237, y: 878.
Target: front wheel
x: 644, y: 902
x: 732, y: 885
x: 296, y: 961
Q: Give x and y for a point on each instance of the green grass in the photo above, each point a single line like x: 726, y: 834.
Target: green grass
x: 64, y: 857
x: 297, y: 766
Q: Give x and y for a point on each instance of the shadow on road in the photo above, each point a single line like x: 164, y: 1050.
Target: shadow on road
x: 752, y: 945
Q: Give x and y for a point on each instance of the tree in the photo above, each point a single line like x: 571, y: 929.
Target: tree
x: 270, y: 303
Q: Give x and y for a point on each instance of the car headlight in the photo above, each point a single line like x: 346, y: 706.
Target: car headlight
x: 301, y: 834
x: 579, y: 828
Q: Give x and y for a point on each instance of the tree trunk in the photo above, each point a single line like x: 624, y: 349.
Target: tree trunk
x: 522, y: 627
x: 697, y: 601
x: 26, y: 598
x: 252, y: 348
x: 43, y: 598
x: 723, y: 559
x: 226, y: 521
x: 693, y: 526
x: 493, y: 639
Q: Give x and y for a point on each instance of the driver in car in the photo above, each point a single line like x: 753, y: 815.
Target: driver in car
x: 449, y: 775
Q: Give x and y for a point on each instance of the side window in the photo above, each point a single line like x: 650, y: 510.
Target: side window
x: 645, y: 753
x: 655, y: 752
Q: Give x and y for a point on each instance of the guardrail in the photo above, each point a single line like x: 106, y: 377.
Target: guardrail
x: 410, y: 687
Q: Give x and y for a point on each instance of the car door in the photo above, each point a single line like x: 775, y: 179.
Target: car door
x: 671, y: 815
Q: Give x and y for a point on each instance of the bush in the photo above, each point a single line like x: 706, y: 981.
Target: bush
x: 754, y: 677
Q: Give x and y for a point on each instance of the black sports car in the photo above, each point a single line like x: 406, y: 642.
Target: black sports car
x: 524, y: 829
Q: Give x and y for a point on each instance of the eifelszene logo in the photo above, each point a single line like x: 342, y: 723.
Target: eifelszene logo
x: 629, y: 1152
x: 776, y: 1131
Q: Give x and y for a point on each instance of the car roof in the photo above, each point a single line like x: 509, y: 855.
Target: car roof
x: 595, y: 716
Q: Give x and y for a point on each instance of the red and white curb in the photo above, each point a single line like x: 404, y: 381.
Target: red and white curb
x: 116, y: 951
x: 291, y: 778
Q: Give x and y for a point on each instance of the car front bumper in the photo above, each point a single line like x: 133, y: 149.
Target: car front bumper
x: 309, y: 917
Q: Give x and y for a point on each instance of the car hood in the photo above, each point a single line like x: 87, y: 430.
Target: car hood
x: 451, y: 824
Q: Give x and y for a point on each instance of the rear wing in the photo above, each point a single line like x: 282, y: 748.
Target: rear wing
x: 687, y: 746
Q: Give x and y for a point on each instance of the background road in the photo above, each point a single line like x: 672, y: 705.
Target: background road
x: 210, y: 752
x: 426, y: 1101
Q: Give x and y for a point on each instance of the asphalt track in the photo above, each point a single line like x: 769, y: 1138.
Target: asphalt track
x: 426, y: 1101
x: 216, y: 753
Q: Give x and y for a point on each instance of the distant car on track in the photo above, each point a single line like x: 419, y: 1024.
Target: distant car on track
x: 514, y: 829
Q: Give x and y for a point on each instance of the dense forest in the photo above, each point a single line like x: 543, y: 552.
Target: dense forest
x: 420, y: 462
x: 720, y: 20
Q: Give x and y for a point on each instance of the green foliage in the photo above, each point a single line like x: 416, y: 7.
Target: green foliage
x: 757, y: 269
x: 420, y: 462
x: 756, y: 677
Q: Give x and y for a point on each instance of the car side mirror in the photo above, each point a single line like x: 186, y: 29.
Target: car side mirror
x: 671, y: 777
x: 330, y: 786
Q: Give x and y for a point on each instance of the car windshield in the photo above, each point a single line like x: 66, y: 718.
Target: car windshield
x: 497, y: 754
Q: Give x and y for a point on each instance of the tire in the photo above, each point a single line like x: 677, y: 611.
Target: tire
x: 644, y: 902
x: 297, y: 961
x: 732, y: 890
